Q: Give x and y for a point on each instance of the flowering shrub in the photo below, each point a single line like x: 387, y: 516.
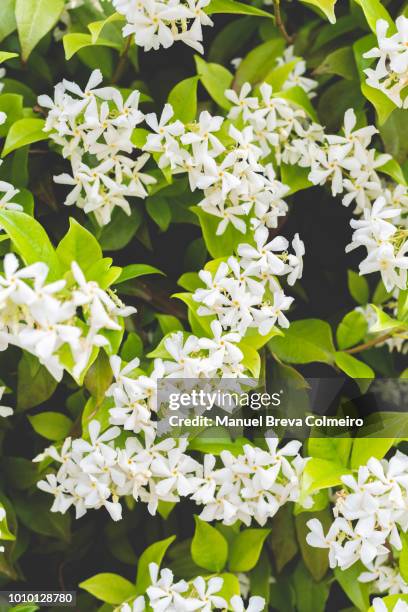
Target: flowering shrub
x: 202, y: 190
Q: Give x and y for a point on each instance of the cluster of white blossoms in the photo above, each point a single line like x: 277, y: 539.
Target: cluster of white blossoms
x: 94, y: 127
x: 158, y: 24
x: 390, y: 75
x: 237, y: 186
x: 94, y: 474
x: 55, y: 321
x: 244, y: 293
x: 135, y: 397
x: 166, y: 595
x: 370, y: 511
x: 347, y: 163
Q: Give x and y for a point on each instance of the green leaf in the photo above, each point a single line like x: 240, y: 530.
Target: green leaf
x: 75, y: 42
x: 169, y: 323
x: 384, y: 321
x: 36, y: 516
x: 12, y: 105
x: 251, y: 359
x: 351, y: 329
x: 111, y: 588
x: 152, y: 554
x: 259, y: 62
x: 236, y: 8
x: 283, y: 537
x: 183, y: 98
x: 35, y: 384
x: 80, y: 246
x: 321, y: 474
x: 24, y: 132
x: 310, y: 595
x: 352, y: 366
x: 6, y: 55
x: 358, y: 287
x: 30, y: 240
x: 394, y: 170
x: 326, y: 6
x: 355, y: 590
x: 35, y: 18
x: 246, y: 548
x: 373, y: 11
x: 7, y: 18
x: 365, y: 448
x: 99, y: 377
x: 136, y: 270
x: 333, y: 449
x: 340, y: 62
x: 51, y: 425
x: 209, y: 549
x: 394, y: 134
x: 305, y: 341
x: 120, y: 231
x: 216, y: 79
x: 230, y: 586
x: 132, y: 347
x: 159, y: 210
x: 20, y: 473
x: 190, y: 281
x: 96, y: 27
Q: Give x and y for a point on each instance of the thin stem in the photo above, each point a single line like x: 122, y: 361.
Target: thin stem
x: 279, y: 22
x: 122, y: 61
x: 371, y: 343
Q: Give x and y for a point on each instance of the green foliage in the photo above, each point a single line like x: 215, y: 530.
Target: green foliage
x: 358, y: 287
x: 209, y: 548
x: 355, y: 590
x: 111, y: 588
x: 34, y: 19
x: 216, y: 79
x: 246, y: 549
x: 351, y: 330
x: 35, y: 383
x: 51, y: 425
x: 183, y: 98
x: 152, y: 554
x: 304, y: 342
x: 327, y: 6
x: 24, y: 132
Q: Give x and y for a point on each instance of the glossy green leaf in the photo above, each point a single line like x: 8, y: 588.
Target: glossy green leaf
x: 24, y: 132
x: 183, y: 98
x: 305, y: 341
x: 351, y: 329
x: 209, y: 549
x: 111, y: 588
x: 51, y: 425
x: 246, y: 549
x: 35, y: 18
x: 75, y: 42
x: 216, y: 79
x: 152, y: 554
